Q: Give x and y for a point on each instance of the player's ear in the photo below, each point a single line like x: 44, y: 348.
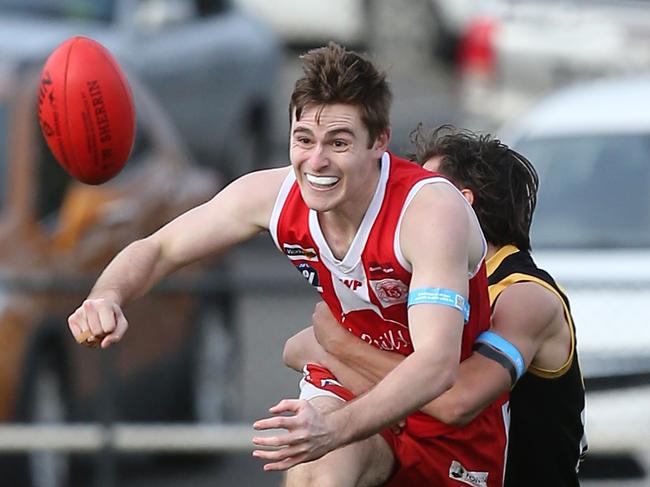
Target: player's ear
x: 469, y: 196
x: 382, y: 140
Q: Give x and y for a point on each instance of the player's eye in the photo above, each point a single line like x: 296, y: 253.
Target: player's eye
x: 303, y: 140
x: 340, y: 144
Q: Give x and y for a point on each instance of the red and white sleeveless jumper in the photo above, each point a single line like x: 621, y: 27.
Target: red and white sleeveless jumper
x: 368, y: 289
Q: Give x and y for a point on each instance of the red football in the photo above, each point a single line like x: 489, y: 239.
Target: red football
x: 85, y: 110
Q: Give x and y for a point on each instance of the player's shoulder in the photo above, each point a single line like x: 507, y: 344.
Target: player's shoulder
x: 261, y: 185
x: 527, y: 308
x: 438, y: 198
x: 528, y: 281
x: 441, y: 205
x: 255, y: 193
x: 266, y: 178
x: 533, y: 290
x: 439, y: 215
x: 529, y: 298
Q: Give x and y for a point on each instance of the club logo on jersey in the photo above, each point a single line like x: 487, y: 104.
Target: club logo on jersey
x: 311, y: 275
x: 461, y: 474
x: 390, y: 291
x: 298, y: 252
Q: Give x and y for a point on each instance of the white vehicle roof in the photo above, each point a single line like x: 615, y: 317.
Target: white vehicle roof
x: 606, y: 106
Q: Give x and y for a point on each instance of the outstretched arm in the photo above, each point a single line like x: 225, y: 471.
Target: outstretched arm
x: 235, y: 214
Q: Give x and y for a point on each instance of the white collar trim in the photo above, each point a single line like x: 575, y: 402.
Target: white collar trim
x: 353, y: 255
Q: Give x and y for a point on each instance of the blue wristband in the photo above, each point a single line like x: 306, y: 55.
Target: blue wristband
x: 505, y: 347
x: 446, y: 297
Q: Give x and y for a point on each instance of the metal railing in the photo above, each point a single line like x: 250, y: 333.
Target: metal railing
x: 127, y: 438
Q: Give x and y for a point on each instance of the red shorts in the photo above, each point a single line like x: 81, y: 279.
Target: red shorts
x: 472, y: 455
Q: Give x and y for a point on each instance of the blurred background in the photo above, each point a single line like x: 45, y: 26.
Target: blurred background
x: 565, y: 82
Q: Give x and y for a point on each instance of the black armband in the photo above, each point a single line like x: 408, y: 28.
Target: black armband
x: 497, y: 348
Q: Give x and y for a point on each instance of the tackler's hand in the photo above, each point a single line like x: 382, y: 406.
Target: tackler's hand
x: 329, y: 332
x: 98, y: 322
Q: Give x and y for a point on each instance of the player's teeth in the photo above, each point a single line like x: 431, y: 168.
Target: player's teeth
x: 322, y: 180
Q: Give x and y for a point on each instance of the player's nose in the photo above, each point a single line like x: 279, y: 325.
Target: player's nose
x: 318, y: 159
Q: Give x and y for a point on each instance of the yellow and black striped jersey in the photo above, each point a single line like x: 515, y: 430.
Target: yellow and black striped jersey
x: 547, y: 440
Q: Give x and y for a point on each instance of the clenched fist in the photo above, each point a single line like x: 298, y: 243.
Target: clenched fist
x: 98, y: 322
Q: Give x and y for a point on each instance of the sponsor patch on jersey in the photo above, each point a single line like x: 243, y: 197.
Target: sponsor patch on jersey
x: 390, y: 291
x: 298, y: 252
x: 458, y: 472
x: 352, y: 283
x: 390, y: 340
x: 311, y: 275
x: 380, y: 268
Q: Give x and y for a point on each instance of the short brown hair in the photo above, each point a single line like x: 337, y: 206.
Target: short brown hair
x: 333, y: 74
x: 503, y: 181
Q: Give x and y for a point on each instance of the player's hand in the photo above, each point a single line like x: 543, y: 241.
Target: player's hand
x: 331, y: 335
x: 310, y: 435
x: 98, y: 322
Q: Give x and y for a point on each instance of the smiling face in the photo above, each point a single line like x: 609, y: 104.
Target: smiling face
x: 335, y: 168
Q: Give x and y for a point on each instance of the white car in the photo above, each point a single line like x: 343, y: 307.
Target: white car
x: 530, y: 47
x: 590, y: 144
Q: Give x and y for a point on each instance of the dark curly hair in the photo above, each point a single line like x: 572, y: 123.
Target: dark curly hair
x: 503, y: 181
x: 333, y: 74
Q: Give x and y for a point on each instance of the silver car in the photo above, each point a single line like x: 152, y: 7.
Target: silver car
x: 591, y: 146
x: 212, y: 67
x: 530, y: 47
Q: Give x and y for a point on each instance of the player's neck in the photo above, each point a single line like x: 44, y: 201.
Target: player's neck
x: 340, y: 225
x: 492, y: 250
x: 339, y: 229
